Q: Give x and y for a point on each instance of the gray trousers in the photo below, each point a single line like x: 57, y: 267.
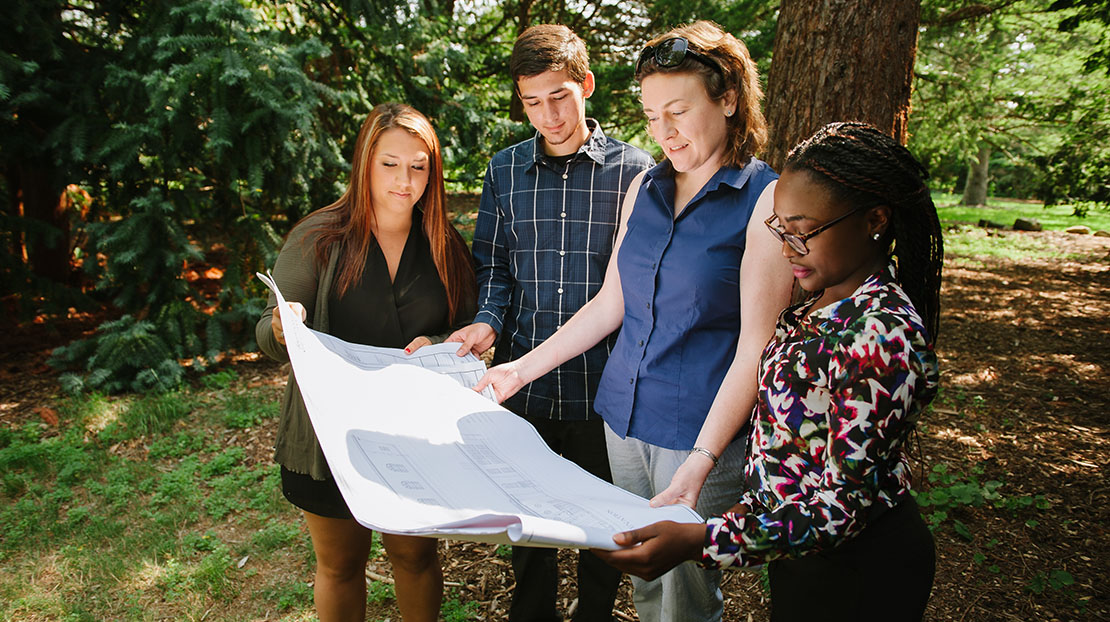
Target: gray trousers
x: 688, y: 592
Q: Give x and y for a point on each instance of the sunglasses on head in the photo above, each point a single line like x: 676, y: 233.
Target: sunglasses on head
x: 671, y: 52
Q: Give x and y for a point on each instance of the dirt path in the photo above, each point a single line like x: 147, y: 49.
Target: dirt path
x: 1025, y: 351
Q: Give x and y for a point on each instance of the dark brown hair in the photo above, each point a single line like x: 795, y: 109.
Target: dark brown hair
x: 862, y: 167
x: 747, y: 128
x: 352, y: 216
x: 549, y: 47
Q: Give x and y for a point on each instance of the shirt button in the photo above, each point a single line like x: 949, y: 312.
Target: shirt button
x: 631, y: 381
x: 561, y: 253
x: 641, y: 344
x: 563, y: 214
x: 560, y: 290
x: 564, y: 175
x: 649, y: 305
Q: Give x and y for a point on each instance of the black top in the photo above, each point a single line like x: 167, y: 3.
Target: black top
x: 376, y: 312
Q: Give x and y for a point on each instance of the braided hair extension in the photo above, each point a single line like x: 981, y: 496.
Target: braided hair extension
x: 862, y: 167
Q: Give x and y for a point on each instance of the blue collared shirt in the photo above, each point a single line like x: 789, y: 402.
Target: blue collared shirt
x: 542, y: 243
x: 681, y: 283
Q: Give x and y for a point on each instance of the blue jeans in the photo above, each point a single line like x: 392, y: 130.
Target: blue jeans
x: 688, y: 592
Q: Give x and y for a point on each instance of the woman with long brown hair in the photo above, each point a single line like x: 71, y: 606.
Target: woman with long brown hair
x: 381, y: 266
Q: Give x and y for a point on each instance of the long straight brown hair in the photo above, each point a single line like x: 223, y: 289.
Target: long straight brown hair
x: 352, y: 216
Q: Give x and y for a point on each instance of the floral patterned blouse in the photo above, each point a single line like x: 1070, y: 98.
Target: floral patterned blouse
x: 839, y: 392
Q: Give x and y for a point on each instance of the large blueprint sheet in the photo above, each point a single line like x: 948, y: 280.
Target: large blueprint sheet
x: 416, y: 452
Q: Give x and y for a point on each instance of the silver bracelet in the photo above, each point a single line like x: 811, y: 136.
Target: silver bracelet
x: 705, y: 452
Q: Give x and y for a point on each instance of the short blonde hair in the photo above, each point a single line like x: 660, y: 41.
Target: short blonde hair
x: 747, y: 129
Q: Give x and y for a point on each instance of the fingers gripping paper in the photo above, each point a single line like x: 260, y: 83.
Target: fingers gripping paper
x: 415, y: 451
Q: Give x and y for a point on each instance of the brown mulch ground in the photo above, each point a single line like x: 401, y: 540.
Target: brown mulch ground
x: 1025, y: 350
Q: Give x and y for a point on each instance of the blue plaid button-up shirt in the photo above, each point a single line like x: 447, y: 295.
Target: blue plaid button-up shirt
x: 542, y: 242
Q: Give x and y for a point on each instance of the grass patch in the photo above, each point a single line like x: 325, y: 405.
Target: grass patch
x: 968, y: 244
x: 1005, y: 211
x: 248, y: 409
x: 136, y: 508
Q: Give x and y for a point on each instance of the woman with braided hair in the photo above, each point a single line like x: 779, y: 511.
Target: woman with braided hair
x: 841, y: 386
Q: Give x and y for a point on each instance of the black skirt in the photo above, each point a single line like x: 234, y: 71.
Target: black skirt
x: 885, y: 573
x: 320, y: 497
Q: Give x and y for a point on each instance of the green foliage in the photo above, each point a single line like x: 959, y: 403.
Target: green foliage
x: 176, y: 446
x: 211, y: 575
x: 1005, y: 77
x: 247, y: 410
x: 1051, y: 217
x: 380, y: 592
x: 199, y: 122
x: 219, y: 380
x: 1054, y: 579
x: 127, y: 354
x: 275, y: 536
x: 1075, y: 13
x: 134, y: 527
x: 455, y: 610
x: 950, y: 493
x: 1078, y: 170
x: 290, y: 595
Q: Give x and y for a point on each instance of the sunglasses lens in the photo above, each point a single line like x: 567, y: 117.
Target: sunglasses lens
x: 671, y: 52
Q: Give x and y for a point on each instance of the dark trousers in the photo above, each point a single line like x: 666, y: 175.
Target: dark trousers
x: 883, y: 574
x: 537, y: 569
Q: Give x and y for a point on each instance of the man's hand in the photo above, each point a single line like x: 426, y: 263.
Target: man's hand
x: 476, y: 338
x: 275, y: 321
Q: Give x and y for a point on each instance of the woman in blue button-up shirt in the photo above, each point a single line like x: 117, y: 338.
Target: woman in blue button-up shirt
x: 681, y: 380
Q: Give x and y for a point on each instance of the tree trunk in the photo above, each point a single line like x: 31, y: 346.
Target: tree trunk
x: 47, y: 249
x: 975, y: 190
x: 840, y: 60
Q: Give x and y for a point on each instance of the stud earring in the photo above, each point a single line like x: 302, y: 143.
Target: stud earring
x: 876, y: 236
x: 728, y: 113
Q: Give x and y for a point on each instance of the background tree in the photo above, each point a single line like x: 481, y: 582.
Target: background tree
x: 1000, y: 89
x: 830, y: 64
x: 149, y: 142
x: 209, y: 127
x: 50, y: 119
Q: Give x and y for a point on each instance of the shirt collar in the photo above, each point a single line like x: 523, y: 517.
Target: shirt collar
x: 871, y: 286
x: 726, y: 175
x: 663, y: 176
x: 594, y: 147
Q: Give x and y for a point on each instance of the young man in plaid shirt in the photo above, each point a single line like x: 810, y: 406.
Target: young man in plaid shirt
x: 546, y: 226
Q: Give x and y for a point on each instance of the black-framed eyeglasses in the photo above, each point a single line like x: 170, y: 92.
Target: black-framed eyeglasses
x: 671, y: 52
x: 797, y: 241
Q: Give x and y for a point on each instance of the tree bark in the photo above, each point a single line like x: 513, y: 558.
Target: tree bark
x: 975, y: 190
x: 41, y: 200
x: 840, y: 60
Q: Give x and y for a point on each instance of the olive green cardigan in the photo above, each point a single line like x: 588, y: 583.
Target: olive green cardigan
x: 300, y: 279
